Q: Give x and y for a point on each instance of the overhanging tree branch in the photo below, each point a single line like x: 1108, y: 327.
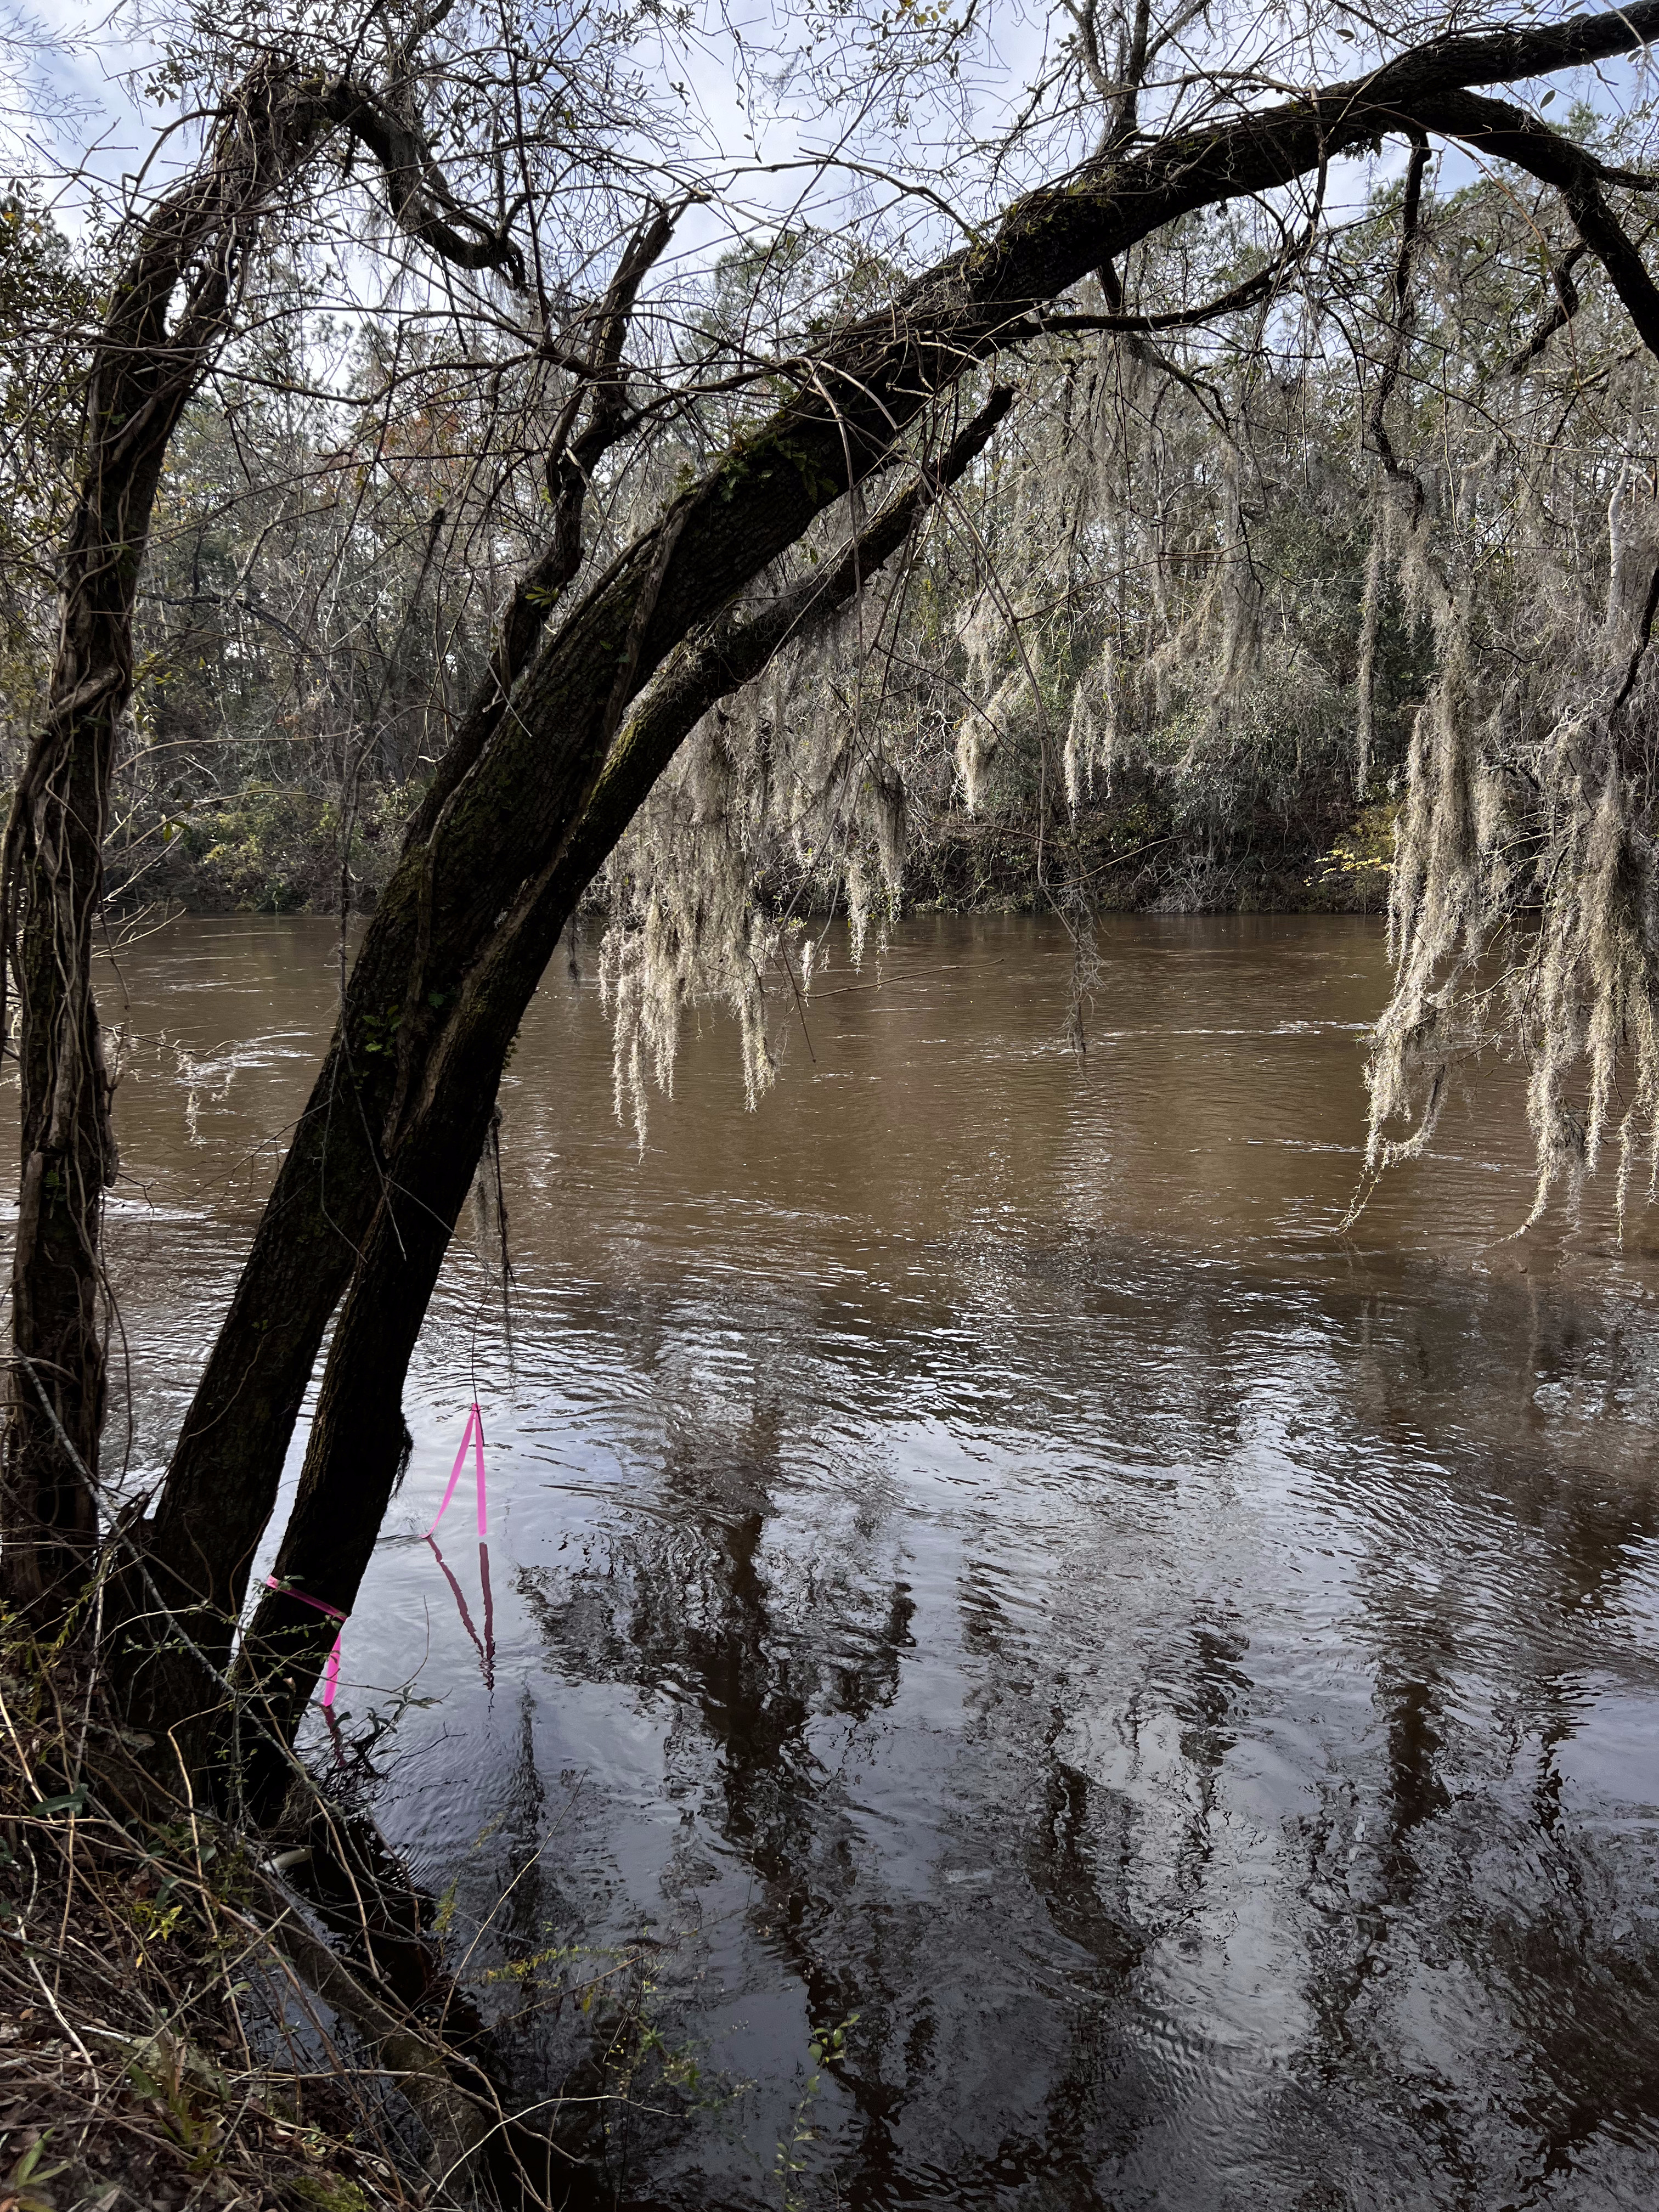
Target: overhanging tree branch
x: 329, y: 1537
x: 514, y: 810
x: 1492, y: 127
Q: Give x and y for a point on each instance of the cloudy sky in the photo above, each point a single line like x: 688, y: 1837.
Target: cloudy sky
x: 73, y: 113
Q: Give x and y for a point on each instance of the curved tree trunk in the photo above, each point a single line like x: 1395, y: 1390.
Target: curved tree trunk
x: 143, y: 375
x: 229, y: 1457
x: 502, y: 819
x: 354, y: 1449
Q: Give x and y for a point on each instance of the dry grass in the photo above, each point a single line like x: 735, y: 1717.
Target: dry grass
x: 165, y: 2041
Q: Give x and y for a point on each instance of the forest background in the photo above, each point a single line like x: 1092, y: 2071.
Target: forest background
x: 1196, y: 461
x: 1296, y: 538
x: 1148, y: 659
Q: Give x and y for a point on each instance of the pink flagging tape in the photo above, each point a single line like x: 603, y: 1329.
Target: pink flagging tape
x: 331, y: 1671
x: 473, y: 1435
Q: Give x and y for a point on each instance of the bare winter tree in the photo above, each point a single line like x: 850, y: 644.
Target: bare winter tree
x: 149, y: 357
x: 612, y: 650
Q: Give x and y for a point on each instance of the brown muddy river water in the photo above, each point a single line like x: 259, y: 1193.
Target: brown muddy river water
x: 973, y: 1546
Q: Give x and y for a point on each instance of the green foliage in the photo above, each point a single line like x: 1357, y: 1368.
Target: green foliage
x: 826, y: 2049
x: 186, y: 2093
x: 269, y: 848
x: 327, y: 2193
x: 266, y: 847
x: 24, y: 2189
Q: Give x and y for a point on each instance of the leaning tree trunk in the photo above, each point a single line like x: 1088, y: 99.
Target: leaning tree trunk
x: 221, y: 1483
x: 354, y: 1449
x: 142, y: 374
x: 501, y: 825
x: 517, y: 779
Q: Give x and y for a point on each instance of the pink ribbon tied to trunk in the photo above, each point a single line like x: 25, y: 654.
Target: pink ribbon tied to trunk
x: 331, y: 1671
x: 473, y: 1435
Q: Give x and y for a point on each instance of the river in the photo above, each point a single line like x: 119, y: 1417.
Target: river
x: 979, y: 1558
